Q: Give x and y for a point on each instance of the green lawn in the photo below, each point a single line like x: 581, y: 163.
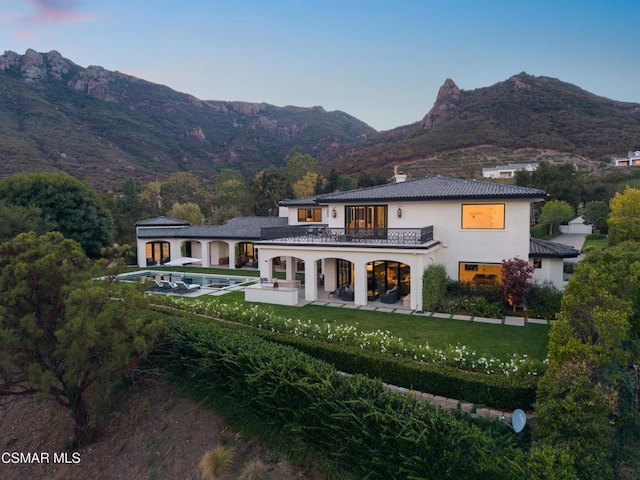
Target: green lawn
x: 594, y: 243
x: 498, y: 341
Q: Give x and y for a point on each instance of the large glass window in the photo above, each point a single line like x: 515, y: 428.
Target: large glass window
x: 157, y: 252
x: 309, y: 214
x: 488, y: 215
x: 480, y: 273
x: 345, y: 272
x: 370, y: 220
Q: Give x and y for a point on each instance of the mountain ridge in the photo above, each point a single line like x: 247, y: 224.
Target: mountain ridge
x: 118, y: 125
x: 103, y: 126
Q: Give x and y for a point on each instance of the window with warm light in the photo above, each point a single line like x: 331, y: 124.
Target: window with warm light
x: 309, y: 214
x: 480, y: 274
x: 483, y: 216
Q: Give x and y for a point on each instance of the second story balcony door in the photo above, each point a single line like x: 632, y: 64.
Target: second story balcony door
x: 367, y: 220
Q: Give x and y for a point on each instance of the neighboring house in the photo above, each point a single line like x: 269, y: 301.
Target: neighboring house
x: 373, y: 243
x: 547, y: 259
x: 632, y: 158
x: 508, y: 171
x: 577, y: 225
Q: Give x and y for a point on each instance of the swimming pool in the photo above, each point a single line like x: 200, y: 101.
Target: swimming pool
x: 202, y: 279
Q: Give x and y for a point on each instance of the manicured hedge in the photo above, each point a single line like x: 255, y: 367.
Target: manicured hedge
x: 496, y: 391
x: 351, y: 420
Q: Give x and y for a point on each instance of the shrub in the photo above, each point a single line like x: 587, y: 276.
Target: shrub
x: 434, y: 286
x: 540, y: 230
x: 368, y: 432
x: 216, y: 462
x: 475, y: 306
x: 544, y: 301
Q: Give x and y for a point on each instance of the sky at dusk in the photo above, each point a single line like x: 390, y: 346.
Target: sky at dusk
x: 380, y: 61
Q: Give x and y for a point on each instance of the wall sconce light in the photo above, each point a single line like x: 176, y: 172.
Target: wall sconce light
x: 334, y: 214
x: 399, y: 212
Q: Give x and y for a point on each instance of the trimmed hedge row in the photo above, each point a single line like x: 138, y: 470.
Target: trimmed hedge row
x: 351, y: 420
x: 496, y: 391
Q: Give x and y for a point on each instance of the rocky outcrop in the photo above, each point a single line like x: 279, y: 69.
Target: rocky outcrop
x: 96, y: 81
x: 36, y: 68
x: 448, y: 98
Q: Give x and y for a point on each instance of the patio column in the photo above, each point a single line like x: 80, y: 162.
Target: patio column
x: 266, y: 268
x: 417, y: 269
x: 290, y: 271
x: 360, y: 282
x: 310, y: 281
x: 205, y: 254
x: 232, y: 254
x: 142, y: 253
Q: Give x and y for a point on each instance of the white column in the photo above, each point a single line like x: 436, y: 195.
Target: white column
x: 310, y: 281
x: 360, y: 283
x: 266, y: 268
x: 204, y: 253
x: 142, y: 253
x: 290, y: 271
x: 232, y: 254
x: 417, y: 269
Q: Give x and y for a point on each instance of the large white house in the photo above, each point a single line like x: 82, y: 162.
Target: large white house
x: 373, y: 243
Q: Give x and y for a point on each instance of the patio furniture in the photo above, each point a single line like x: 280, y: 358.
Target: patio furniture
x: 183, y: 287
x: 391, y: 296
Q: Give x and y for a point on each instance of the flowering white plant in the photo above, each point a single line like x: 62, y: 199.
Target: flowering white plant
x: 458, y: 356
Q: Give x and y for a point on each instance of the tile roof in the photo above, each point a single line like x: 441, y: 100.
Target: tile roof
x: 433, y: 188
x: 161, y: 222
x: 301, y: 201
x: 544, y: 248
x: 238, y: 228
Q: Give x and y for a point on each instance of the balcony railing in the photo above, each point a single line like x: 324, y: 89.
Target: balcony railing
x: 321, y: 234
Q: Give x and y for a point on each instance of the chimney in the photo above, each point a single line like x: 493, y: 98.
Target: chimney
x: 398, y: 176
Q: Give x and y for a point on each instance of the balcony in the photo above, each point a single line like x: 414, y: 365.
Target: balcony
x: 321, y: 234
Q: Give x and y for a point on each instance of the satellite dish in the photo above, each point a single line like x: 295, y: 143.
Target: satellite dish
x: 518, y: 420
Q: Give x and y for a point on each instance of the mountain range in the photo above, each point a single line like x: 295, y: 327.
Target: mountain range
x: 103, y: 126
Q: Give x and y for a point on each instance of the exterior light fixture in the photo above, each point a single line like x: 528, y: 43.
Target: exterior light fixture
x: 399, y: 212
x: 334, y: 214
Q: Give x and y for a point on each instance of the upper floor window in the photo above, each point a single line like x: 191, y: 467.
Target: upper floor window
x: 309, y: 214
x: 486, y: 215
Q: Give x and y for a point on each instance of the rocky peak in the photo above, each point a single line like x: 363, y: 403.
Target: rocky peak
x: 448, y: 97
x: 35, y: 67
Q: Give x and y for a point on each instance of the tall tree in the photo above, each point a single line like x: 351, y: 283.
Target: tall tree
x: 555, y: 212
x: 624, y: 219
x: 180, y: 187
x: 299, y: 165
x: 63, y: 333
x: 561, y: 181
x: 595, y: 213
x: 268, y: 188
x: 15, y: 219
x: 74, y: 208
x: 189, y: 212
x: 306, y: 186
x: 232, y: 197
x: 588, y: 398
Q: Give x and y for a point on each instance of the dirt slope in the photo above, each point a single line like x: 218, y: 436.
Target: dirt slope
x: 153, y: 433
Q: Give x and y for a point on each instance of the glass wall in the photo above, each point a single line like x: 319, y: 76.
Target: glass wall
x: 157, y: 252
x: 370, y: 220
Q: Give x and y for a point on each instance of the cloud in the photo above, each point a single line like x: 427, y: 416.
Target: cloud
x: 60, y: 11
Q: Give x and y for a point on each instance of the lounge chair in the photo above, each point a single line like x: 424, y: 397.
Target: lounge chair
x: 167, y: 286
x: 183, y: 287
